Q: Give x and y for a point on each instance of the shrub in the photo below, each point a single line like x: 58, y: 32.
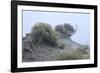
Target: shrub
x: 86, y: 51
x: 61, y: 46
x: 43, y: 34
x: 65, y: 29
x: 59, y: 28
x: 86, y: 47
x: 71, y: 54
x: 69, y: 30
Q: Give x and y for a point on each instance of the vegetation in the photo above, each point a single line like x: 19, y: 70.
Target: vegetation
x: 65, y: 29
x: 73, y: 54
x: 43, y: 43
x: 43, y: 34
x: 61, y: 46
x: 70, y: 54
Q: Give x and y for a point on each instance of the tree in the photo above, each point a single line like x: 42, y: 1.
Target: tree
x: 65, y: 29
x: 43, y: 34
x: 69, y: 30
x: 59, y: 28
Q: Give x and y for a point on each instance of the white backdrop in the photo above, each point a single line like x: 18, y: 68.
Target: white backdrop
x: 5, y: 37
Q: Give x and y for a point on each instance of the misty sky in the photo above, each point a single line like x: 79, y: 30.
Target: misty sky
x: 82, y: 21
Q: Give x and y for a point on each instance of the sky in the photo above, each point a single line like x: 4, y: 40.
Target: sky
x: 82, y: 20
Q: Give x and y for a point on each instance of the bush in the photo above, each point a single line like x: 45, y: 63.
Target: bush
x: 65, y: 29
x: 69, y: 30
x: 43, y: 34
x: 59, y: 28
x: 86, y: 51
x: 61, y: 46
x: 71, y: 54
x: 86, y: 47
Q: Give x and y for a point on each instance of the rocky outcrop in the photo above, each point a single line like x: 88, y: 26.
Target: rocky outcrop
x: 46, y: 53
x: 36, y: 52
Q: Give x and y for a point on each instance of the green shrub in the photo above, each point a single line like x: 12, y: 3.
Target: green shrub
x: 84, y: 49
x: 59, y: 28
x: 71, y: 54
x: 43, y: 34
x: 65, y: 29
x: 69, y: 30
x: 61, y: 46
x: 86, y: 52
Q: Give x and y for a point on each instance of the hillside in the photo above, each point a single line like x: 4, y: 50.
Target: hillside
x: 63, y: 47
